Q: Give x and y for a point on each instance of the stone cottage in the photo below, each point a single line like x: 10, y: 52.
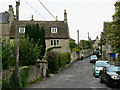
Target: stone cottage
x: 56, y: 32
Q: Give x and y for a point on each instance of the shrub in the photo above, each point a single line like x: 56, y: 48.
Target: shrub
x: 8, y: 54
x: 29, y: 52
x: 57, y: 60
x: 64, y: 58
x: 53, y: 62
x: 38, y: 36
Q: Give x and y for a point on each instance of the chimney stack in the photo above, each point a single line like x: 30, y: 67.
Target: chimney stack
x: 11, y: 13
x: 65, y: 16
x: 56, y: 18
x: 32, y: 18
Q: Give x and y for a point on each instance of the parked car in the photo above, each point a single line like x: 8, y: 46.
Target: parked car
x: 110, y: 75
x: 99, y: 66
x: 97, y: 53
x: 93, y: 58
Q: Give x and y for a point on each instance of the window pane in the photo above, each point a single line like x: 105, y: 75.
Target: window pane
x: 55, y: 42
x: 53, y: 30
x: 51, y: 42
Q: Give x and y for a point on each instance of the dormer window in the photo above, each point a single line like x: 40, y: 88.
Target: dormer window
x: 21, y: 30
x: 53, y: 30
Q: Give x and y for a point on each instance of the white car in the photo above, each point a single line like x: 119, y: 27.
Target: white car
x: 93, y: 58
x: 99, y: 66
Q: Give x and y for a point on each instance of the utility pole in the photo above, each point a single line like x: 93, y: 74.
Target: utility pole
x: 78, y: 45
x: 17, y: 46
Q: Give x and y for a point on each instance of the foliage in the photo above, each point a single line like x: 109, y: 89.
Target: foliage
x: 51, y: 48
x: 11, y: 83
x: 112, y: 30
x: 85, y: 44
x: 29, y: 52
x: 76, y: 49
x: 64, y: 58
x: 48, y: 73
x: 8, y: 54
x: 57, y: 60
x: 38, y: 36
x: 53, y: 62
x: 24, y: 76
x: 73, y: 45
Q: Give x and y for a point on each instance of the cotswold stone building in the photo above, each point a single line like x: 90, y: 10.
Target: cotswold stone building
x: 6, y: 18
x: 56, y: 32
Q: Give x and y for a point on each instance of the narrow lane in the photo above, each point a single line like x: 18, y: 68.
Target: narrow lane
x: 77, y: 75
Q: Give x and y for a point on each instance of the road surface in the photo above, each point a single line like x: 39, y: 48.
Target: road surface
x: 77, y: 75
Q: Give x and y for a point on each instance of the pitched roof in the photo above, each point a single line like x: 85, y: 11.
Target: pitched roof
x: 72, y: 40
x: 62, y: 28
x: 4, y: 17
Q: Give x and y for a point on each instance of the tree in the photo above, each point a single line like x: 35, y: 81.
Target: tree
x: 85, y: 44
x: 29, y: 52
x: 112, y: 32
x: 73, y: 45
x: 38, y: 36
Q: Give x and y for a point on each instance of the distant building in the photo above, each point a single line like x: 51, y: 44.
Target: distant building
x: 95, y: 43
x: 6, y: 18
x: 118, y: 0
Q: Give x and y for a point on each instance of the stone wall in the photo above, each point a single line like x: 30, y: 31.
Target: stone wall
x: 33, y: 73
x: 86, y: 52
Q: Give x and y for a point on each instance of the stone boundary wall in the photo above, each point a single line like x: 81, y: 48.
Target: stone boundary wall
x: 34, y: 72
x: 86, y: 52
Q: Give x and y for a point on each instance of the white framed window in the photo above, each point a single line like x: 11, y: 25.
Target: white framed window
x: 55, y: 42
x: 51, y: 42
x: 58, y: 42
x: 21, y: 30
x: 53, y: 30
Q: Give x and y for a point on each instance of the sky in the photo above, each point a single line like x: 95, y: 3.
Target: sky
x: 83, y: 15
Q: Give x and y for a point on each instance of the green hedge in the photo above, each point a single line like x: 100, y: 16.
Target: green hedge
x: 57, y: 60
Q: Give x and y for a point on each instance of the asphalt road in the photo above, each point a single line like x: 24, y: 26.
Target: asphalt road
x: 77, y: 75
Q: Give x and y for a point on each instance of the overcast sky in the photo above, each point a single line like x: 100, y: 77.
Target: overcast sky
x: 84, y: 15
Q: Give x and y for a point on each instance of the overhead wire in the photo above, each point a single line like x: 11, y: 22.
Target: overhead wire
x: 34, y: 9
x: 46, y: 9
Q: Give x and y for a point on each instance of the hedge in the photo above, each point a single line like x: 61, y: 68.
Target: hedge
x: 57, y: 60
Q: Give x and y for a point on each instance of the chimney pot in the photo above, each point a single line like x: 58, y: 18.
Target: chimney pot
x: 65, y: 16
x: 56, y: 18
x: 65, y: 11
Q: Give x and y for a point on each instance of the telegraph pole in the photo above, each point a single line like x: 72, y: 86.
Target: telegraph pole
x: 17, y: 46
x: 78, y: 45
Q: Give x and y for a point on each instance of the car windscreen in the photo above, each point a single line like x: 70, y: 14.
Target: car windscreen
x: 113, y: 69
x: 94, y: 56
x: 101, y: 64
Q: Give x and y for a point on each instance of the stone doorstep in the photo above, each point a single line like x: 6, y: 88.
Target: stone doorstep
x: 51, y: 75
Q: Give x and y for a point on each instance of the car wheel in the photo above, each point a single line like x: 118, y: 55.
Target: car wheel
x: 100, y: 77
x: 96, y: 76
x: 108, y: 83
x: 93, y: 73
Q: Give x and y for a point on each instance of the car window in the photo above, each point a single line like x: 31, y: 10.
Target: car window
x: 94, y: 56
x: 113, y: 69
x: 101, y: 64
